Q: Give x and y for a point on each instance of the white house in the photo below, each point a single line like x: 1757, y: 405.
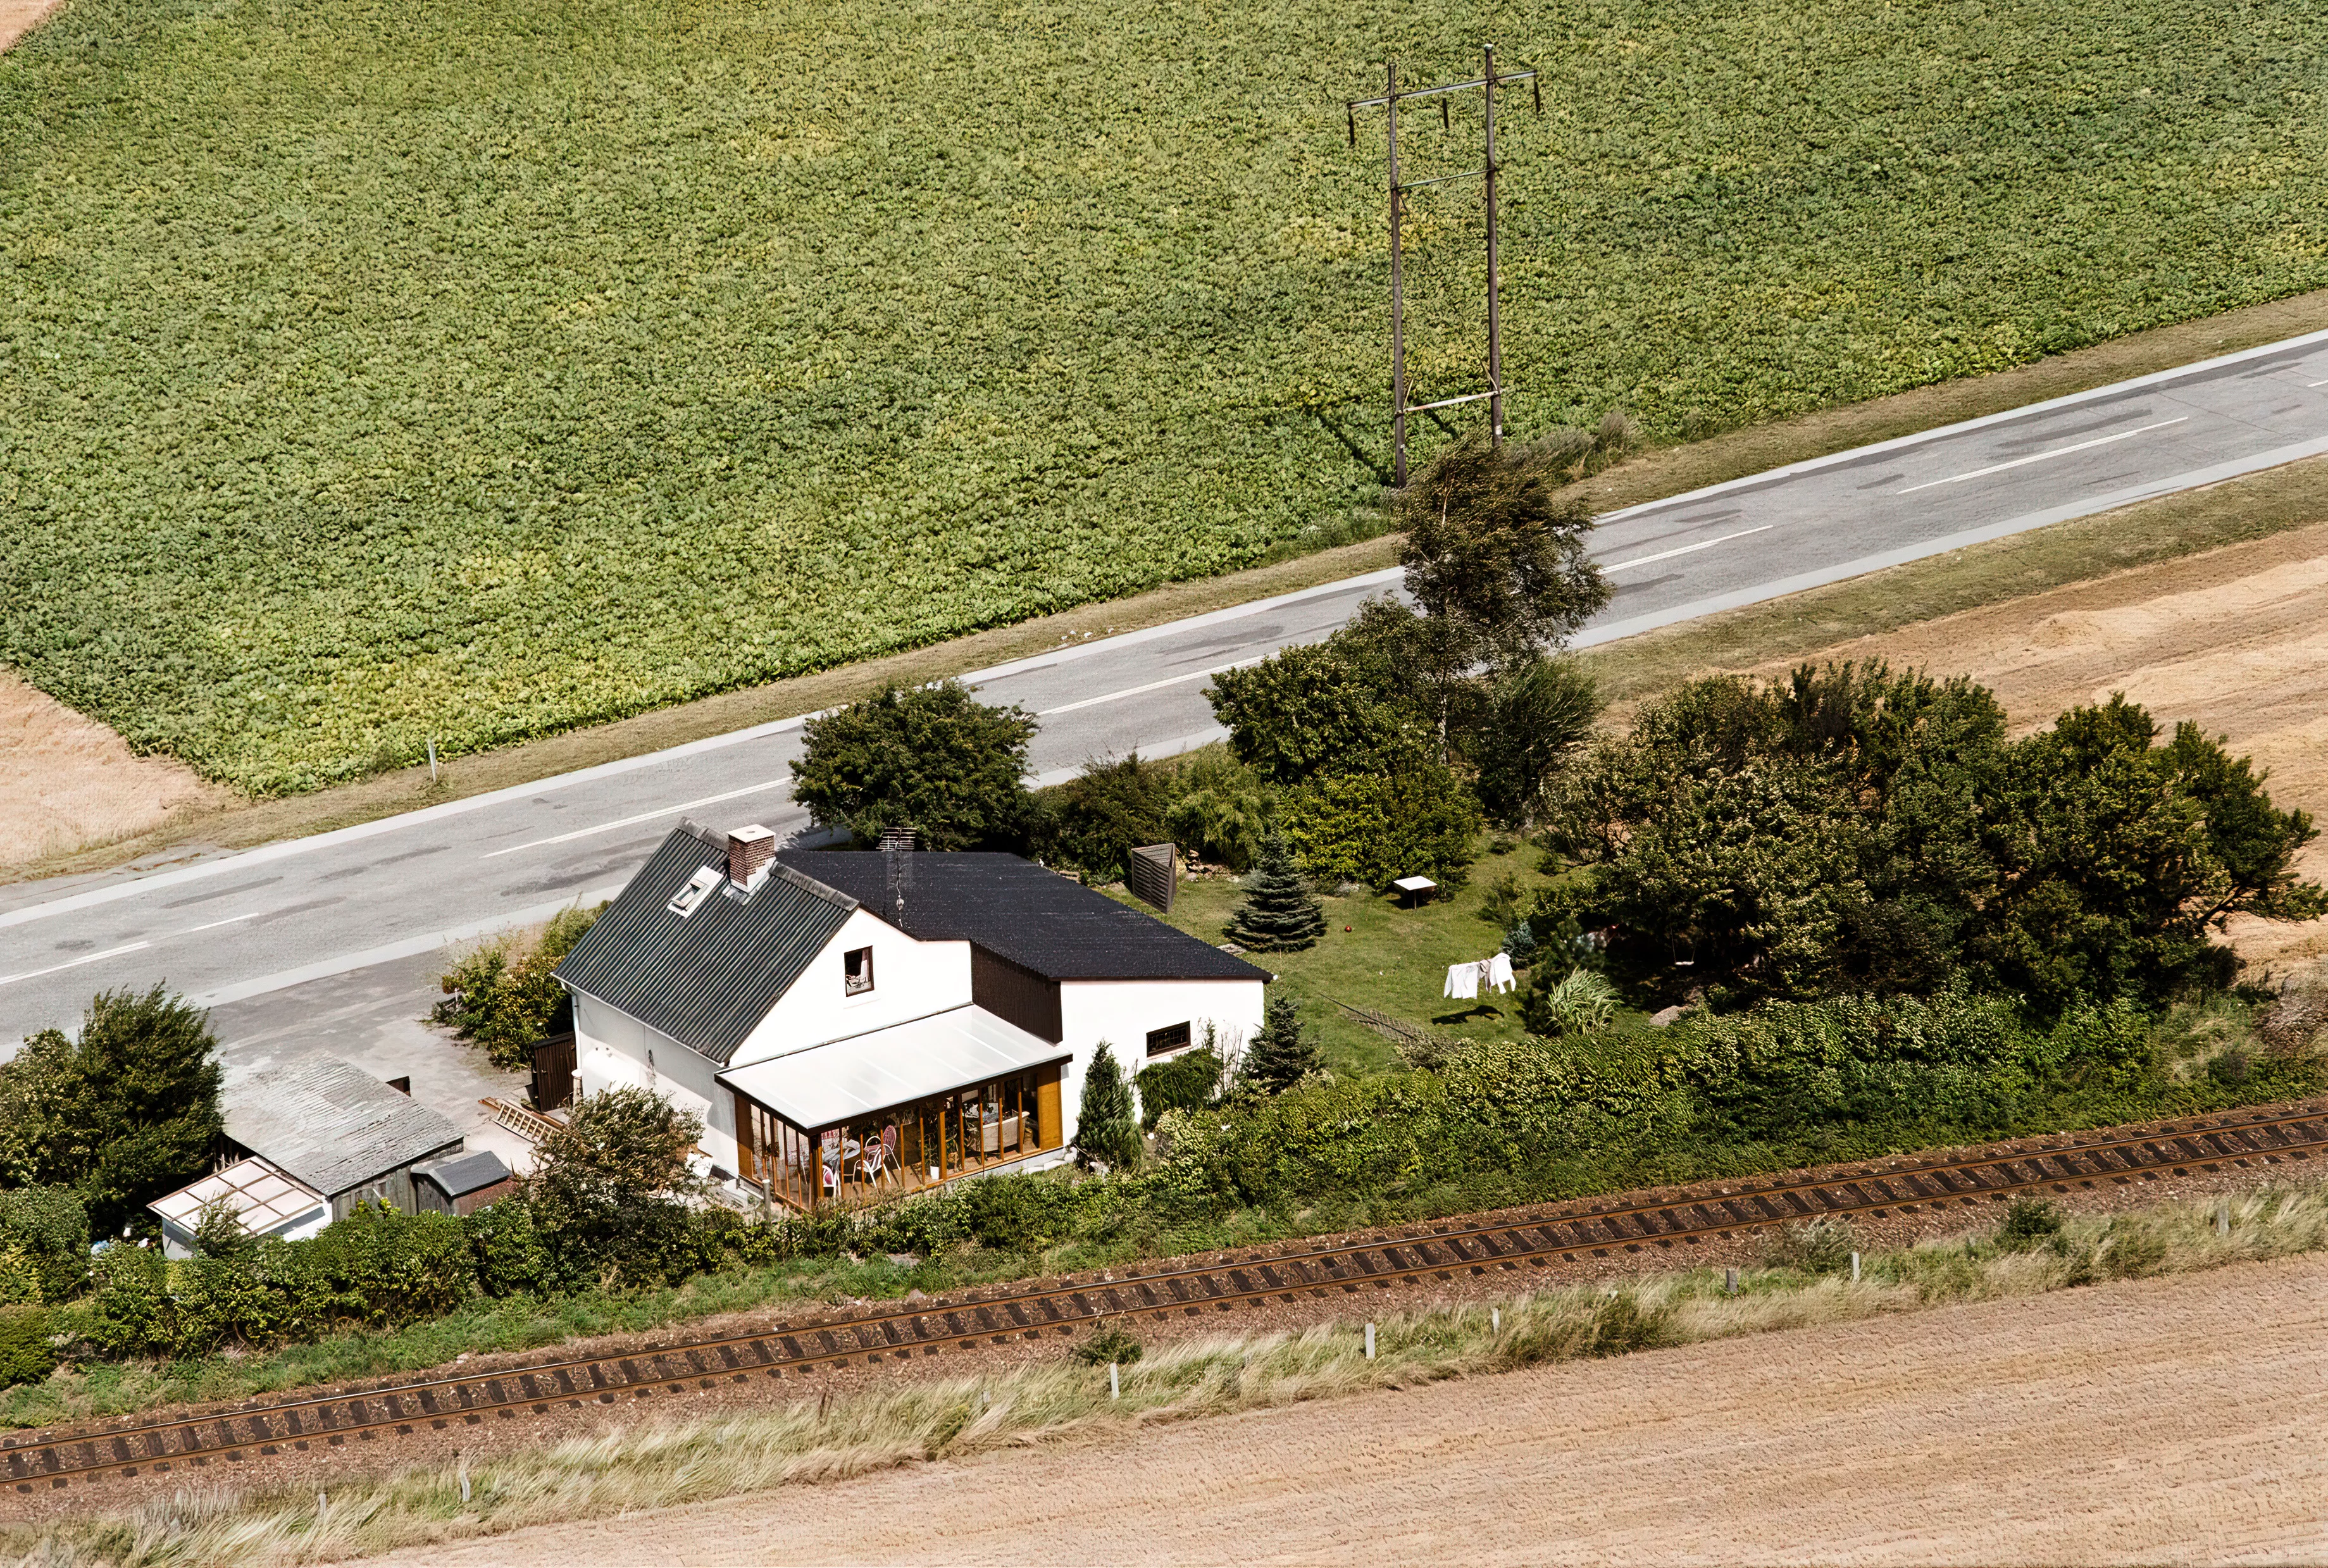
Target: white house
x: 848, y: 1025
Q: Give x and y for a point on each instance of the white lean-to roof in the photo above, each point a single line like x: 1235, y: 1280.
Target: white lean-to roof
x: 255, y: 1191
x: 845, y: 1079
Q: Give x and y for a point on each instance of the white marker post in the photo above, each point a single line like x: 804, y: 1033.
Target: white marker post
x: 432, y: 759
x: 1855, y: 1268
x: 1115, y: 1385
x: 1370, y: 1341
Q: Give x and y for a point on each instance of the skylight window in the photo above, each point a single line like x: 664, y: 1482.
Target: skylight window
x: 699, y: 888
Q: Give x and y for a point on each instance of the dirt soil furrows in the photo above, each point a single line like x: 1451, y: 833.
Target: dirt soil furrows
x: 2235, y: 640
x: 2153, y: 1421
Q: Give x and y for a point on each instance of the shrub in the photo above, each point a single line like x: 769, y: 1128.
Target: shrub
x: 26, y: 1356
x: 47, y: 1227
x: 504, y: 996
x: 2030, y: 1223
x: 1098, y: 817
x: 1015, y: 1213
x: 1188, y: 1082
x: 1109, y: 1347
x: 505, y: 1253
x: 1220, y: 811
x: 1375, y: 828
x: 130, y: 1312
x: 1577, y: 1003
x: 607, y: 1193
x: 1819, y: 1246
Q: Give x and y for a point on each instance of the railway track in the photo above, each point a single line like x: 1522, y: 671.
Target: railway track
x: 1508, y: 1241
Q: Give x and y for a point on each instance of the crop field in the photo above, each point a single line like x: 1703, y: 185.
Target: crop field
x: 370, y: 371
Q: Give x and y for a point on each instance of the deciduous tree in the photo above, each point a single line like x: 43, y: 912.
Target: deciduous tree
x: 932, y: 758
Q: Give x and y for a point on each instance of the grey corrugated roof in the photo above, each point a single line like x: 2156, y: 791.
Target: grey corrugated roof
x: 329, y: 1123
x: 1036, y: 919
x: 704, y: 979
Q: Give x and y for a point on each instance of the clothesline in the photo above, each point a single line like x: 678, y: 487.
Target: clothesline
x: 1467, y: 981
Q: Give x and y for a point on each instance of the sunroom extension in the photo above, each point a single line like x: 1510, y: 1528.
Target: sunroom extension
x: 893, y: 1110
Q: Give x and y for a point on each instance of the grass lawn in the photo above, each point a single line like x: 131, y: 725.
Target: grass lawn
x: 1378, y: 956
x: 372, y: 372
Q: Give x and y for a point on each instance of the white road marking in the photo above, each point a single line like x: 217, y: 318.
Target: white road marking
x: 75, y: 964
x: 774, y: 783
x: 2041, y: 456
x: 1151, y: 686
x: 214, y: 925
x: 1666, y: 555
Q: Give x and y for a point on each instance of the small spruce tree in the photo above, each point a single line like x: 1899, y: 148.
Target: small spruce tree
x: 1277, y: 914
x: 1282, y: 1054
x: 1105, y: 1132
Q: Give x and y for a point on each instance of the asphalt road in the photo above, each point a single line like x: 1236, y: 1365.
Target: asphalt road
x: 235, y: 927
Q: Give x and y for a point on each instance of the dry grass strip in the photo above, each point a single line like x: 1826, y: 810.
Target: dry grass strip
x: 804, y: 1442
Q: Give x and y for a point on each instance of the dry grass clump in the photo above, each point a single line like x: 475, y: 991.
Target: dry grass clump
x: 655, y: 1466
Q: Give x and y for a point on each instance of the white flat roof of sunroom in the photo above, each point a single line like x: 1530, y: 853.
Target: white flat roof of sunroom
x: 844, y: 1079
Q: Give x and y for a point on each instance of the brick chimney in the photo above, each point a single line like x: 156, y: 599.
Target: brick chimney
x: 749, y: 850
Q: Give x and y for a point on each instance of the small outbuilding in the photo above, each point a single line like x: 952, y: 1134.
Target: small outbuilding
x: 335, y: 1129
x: 463, y: 1184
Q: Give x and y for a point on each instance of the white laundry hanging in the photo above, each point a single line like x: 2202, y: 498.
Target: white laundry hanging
x: 1462, y: 980
x: 1500, y: 972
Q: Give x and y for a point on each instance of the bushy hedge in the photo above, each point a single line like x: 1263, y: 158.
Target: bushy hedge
x: 379, y: 1268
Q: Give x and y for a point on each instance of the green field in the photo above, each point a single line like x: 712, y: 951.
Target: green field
x: 369, y: 371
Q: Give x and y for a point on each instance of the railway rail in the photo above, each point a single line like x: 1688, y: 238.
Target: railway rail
x: 1513, y: 1240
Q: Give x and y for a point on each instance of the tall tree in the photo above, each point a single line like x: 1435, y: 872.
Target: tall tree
x: 1106, y: 1131
x: 122, y: 1115
x: 1493, y: 552
x: 1281, y: 1054
x: 1277, y: 915
x: 932, y: 758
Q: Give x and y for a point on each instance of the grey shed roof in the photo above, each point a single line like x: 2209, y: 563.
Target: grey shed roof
x: 329, y: 1123
x: 705, y: 979
x: 1036, y: 919
x: 463, y: 1174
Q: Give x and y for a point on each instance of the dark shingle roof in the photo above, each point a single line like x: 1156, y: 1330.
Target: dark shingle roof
x: 1036, y: 919
x: 705, y: 979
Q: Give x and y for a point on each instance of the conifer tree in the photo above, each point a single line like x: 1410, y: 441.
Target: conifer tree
x: 1277, y: 914
x: 1282, y: 1054
x: 1105, y: 1132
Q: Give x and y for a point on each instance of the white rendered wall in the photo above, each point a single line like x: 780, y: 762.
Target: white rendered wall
x: 1122, y: 1011
x: 911, y: 980
x: 613, y: 1049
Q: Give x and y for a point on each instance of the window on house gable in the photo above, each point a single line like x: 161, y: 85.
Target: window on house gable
x: 857, y: 969
x: 1165, y: 1041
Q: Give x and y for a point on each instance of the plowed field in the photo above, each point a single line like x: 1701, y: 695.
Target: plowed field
x: 2160, y: 1421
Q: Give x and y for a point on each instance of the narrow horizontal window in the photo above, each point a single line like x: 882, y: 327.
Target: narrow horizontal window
x: 1163, y: 1042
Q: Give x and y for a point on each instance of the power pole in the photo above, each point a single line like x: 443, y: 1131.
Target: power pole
x: 1489, y: 81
